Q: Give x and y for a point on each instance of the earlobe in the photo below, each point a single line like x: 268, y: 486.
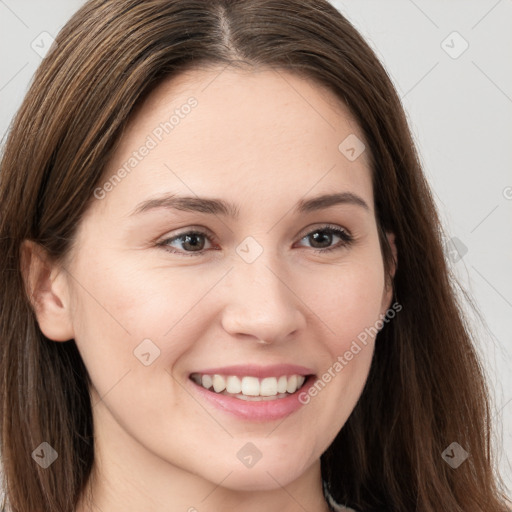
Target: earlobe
x: 46, y: 288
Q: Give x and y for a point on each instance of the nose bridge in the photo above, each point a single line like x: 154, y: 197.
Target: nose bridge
x: 260, y: 301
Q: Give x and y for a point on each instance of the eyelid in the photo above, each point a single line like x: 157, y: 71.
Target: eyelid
x: 324, y: 226
x: 185, y: 231
x: 306, y: 231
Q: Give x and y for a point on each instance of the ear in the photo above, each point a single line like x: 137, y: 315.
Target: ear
x: 47, y: 289
x: 392, y: 244
x: 388, y: 291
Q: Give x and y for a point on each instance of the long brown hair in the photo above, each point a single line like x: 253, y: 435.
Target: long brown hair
x: 426, y: 387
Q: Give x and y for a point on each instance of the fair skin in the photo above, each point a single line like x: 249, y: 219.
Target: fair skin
x: 264, y: 141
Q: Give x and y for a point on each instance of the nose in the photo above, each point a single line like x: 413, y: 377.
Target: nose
x: 261, y: 303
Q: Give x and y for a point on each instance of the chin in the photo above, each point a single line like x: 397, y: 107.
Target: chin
x: 258, y: 480
x: 263, y: 475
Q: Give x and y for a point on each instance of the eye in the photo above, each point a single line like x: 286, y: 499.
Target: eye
x: 192, y: 242
x: 324, y: 236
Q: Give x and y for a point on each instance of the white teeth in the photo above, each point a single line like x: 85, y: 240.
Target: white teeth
x: 268, y: 386
x: 219, y: 383
x: 233, y: 385
x: 282, y: 384
x: 250, y: 388
x: 292, y: 384
x: 207, y: 381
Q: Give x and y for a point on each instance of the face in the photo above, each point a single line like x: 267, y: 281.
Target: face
x: 264, y: 290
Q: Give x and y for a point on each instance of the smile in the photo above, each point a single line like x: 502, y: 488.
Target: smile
x: 249, y: 387
x: 252, y: 393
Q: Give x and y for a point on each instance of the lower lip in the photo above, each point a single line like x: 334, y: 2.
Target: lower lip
x: 262, y: 410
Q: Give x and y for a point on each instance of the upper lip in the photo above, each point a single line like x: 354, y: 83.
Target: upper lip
x: 276, y: 370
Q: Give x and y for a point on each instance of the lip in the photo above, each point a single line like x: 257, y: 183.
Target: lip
x: 254, y: 411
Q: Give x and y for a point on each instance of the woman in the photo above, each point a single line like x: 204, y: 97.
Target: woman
x: 223, y: 285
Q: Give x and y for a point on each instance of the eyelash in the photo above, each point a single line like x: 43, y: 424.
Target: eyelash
x: 346, y: 238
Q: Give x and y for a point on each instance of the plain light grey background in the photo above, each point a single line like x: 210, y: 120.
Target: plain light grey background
x: 452, y: 65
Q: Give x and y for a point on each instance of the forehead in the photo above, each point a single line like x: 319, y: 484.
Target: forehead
x: 255, y: 134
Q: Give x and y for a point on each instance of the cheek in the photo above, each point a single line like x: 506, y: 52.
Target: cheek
x: 132, y: 326
x: 348, y: 301
x: 130, y: 302
x: 349, y: 306
x: 128, y: 319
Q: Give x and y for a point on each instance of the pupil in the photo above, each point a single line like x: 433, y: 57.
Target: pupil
x: 316, y: 236
x: 188, y: 238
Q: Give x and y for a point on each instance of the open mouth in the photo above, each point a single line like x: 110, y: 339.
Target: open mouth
x: 251, y: 388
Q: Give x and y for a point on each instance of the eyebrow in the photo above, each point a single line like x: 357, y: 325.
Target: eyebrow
x: 214, y: 206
